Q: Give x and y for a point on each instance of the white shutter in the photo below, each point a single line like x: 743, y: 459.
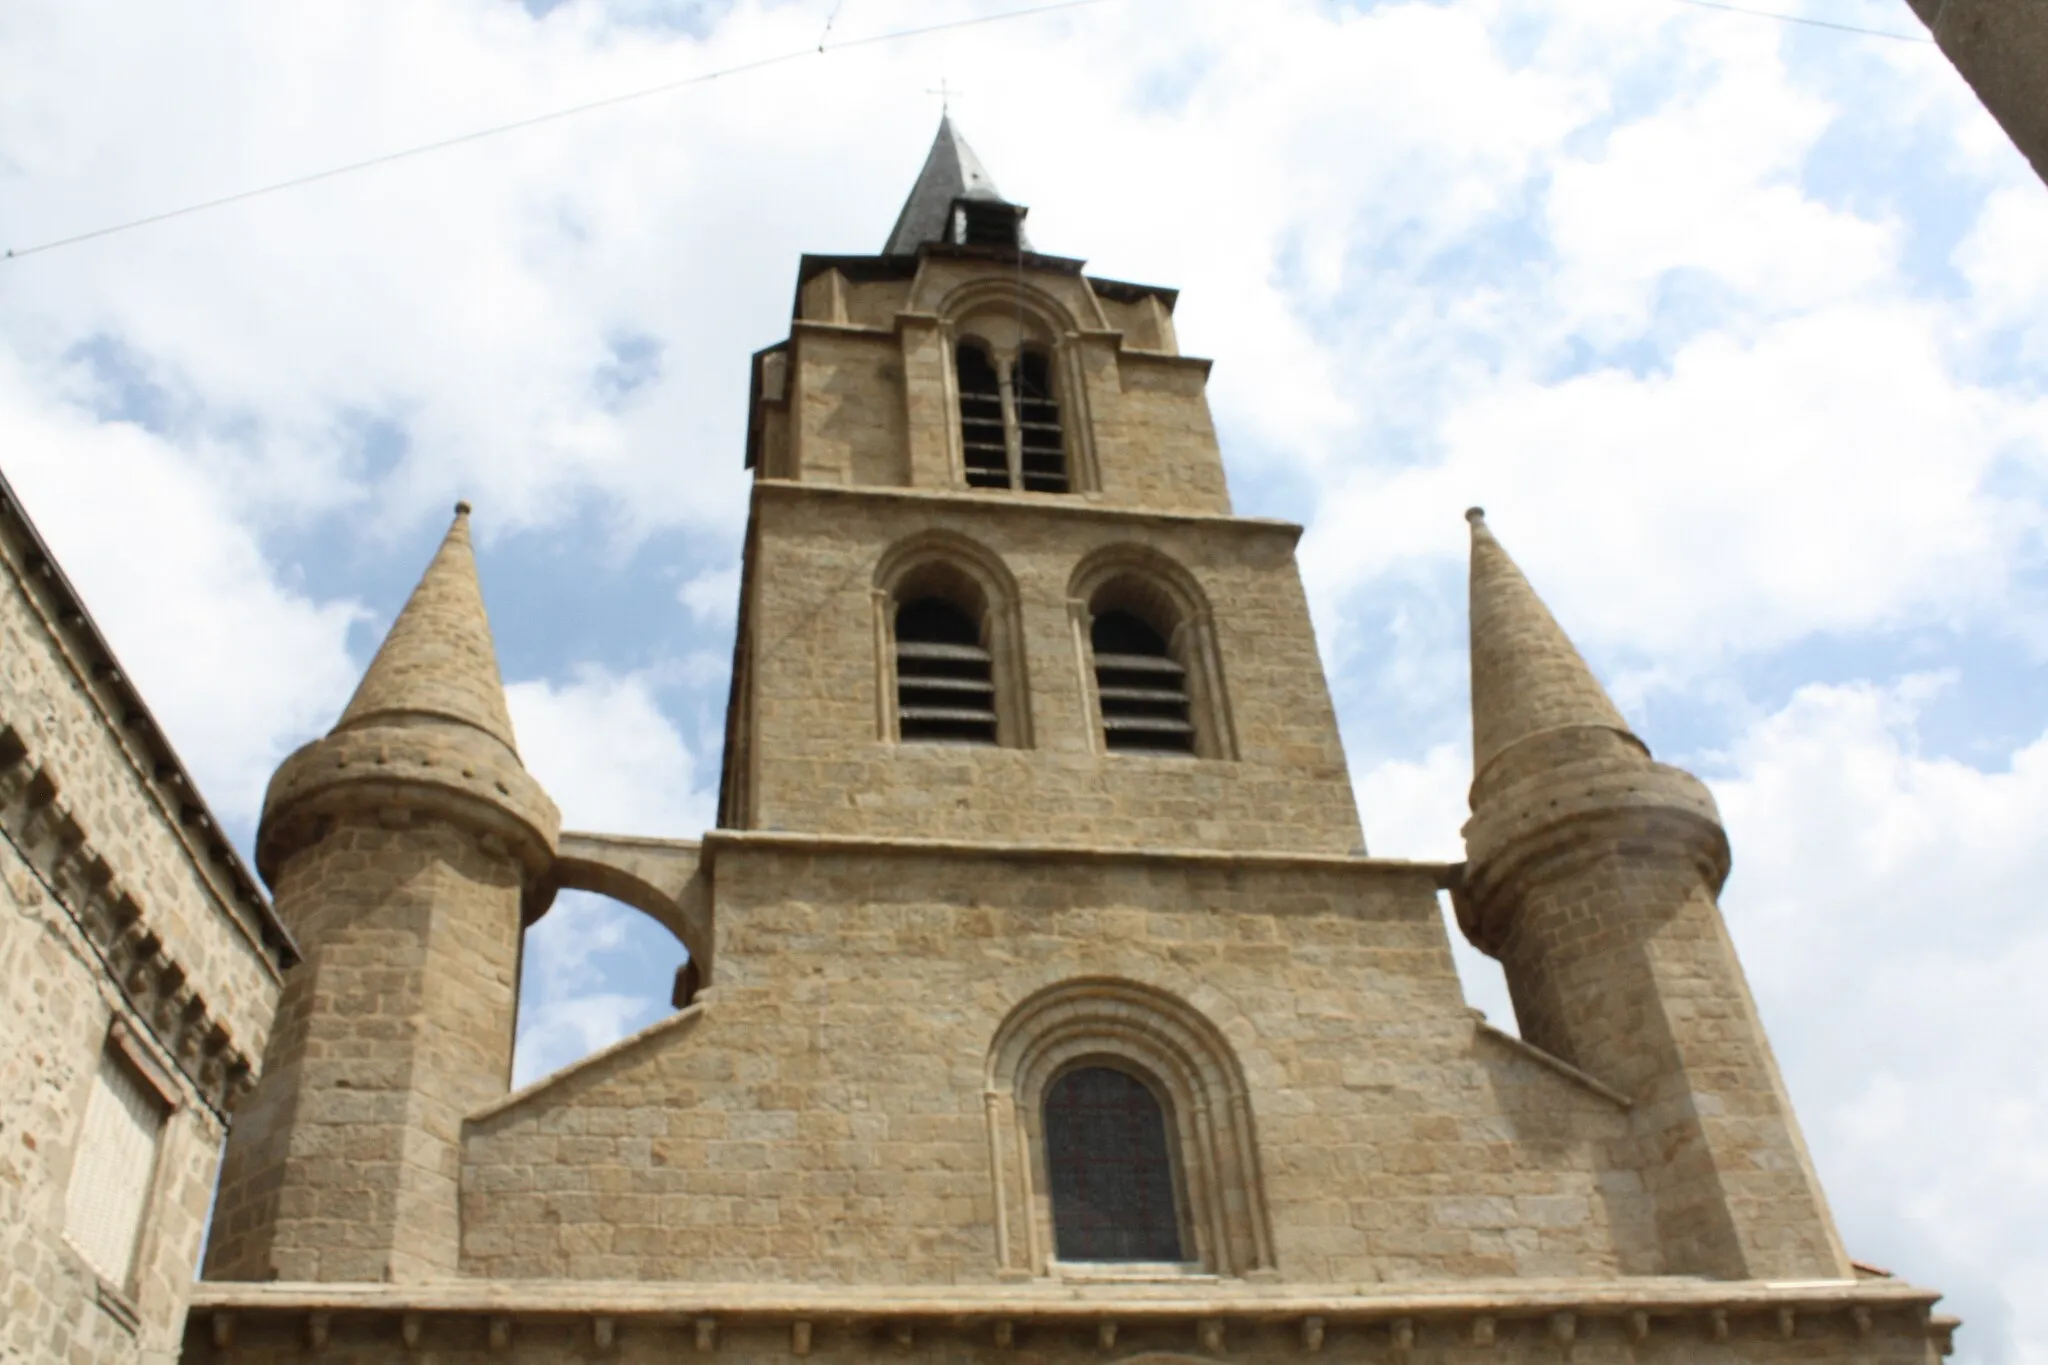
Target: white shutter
x: 113, y: 1169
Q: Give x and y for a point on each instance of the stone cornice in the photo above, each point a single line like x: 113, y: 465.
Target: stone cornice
x: 141, y: 741
x: 1033, y: 506
x: 48, y: 838
x: 1476, y: 1311
x: 716, y: 840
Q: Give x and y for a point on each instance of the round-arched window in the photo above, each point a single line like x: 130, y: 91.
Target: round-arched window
x: 1111, y: 1169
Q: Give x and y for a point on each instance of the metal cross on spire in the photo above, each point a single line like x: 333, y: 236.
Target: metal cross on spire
x: 945, y: 93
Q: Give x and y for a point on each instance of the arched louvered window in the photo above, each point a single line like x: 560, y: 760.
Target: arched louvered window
x: 982, y: 438
x: 1111, y: 1169
x: 1042, y: 447
x: 1141, y: 689
x: 945, y: 684
x: 1010, y: 434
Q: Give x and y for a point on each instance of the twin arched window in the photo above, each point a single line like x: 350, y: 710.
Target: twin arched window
x: 1010, y: 435
x: 953, y: 645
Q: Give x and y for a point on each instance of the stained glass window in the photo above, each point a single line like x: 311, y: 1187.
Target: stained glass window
x: 1112, y: 1175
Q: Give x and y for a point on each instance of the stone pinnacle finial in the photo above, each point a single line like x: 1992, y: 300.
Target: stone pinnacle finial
x: 1527, y: 679
x: 438, y: 661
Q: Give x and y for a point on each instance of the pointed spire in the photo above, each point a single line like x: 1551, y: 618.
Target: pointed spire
x: 1526, y: 676
x: 438, y: 659
x: 952, y: 171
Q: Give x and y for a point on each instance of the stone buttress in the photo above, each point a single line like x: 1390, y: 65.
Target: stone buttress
x: 404, y: 849
x: 1592, y: 876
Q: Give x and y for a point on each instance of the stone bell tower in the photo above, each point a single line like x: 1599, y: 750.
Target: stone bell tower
x: 992, y: 568
x: 403, y: 849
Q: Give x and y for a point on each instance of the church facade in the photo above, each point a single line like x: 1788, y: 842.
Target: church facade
x: 1043, y: 1000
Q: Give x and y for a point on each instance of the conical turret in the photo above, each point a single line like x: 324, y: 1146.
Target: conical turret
x: 1527, y: 678
x: 406, y: 849
x: 427, y: 727
x: 1591, y: 874
x: 438, y: 662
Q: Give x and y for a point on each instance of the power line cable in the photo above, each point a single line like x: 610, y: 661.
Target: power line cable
x: 703, y: 78
x: 741, y: 68
x: 1811, y: 23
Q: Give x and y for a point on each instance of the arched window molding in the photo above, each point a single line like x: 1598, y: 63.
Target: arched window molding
x: 957, y: 570
x: 1160, y: 593
x: 1108, y: 1021
x: 1008, y: 321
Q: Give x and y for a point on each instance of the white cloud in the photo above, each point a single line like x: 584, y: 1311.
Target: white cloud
x: 713, y: 596
x: 566, y: 1011
x: 609, y: 757
x: 1887, y: 907
x: 236, y: 664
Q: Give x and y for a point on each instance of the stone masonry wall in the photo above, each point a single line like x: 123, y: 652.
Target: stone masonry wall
x: 82, y: 840
x: 55, y: 1310
x: 816, y: 670
x: 343, y: 1166
x: 1619, y: 960
x: 821, y: 1118
x: 867, y: 402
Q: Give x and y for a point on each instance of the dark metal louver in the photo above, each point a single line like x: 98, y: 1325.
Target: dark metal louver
x: 1141, y: 689
x: 1038, y: 422
x: 945, y: 685
x: 981, y: 420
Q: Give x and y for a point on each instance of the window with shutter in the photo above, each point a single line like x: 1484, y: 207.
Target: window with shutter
x: 114, y: 1168
x: 1140, y: 687
x: 981, y: 420
x: 945, y: 682
x: 1010, y: 434
x: 1044, y: 462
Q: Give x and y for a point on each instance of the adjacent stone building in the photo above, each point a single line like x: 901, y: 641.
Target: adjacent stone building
x: 1044, y: 1002
x: 2001, y: 48
x: 139, y: 966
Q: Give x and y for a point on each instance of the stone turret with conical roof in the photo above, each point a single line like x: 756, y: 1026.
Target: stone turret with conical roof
x: 1592, y: 875
x: 406, y: 849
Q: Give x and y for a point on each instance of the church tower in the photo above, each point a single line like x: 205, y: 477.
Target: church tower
x: 993, y: 585
x: 1043, y: 1000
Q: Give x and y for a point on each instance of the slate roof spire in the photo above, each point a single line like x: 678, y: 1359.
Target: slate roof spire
x: 438, y: 660
x: 951, y: 171
x: 1527, y: 678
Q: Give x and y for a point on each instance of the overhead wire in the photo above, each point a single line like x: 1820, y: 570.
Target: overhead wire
x: 741, y: 68
x: 1809, y: 22
x: 553, y: 115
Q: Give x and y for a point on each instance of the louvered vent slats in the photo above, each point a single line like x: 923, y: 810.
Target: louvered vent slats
x: 990, y: 422
x: 981, y: 420
x: 1038, y: 424
x: 1140, y: 688
x: 113, y: 1169
x: 945, y: 681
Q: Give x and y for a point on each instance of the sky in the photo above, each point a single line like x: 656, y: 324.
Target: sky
x: 1736, y: 327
